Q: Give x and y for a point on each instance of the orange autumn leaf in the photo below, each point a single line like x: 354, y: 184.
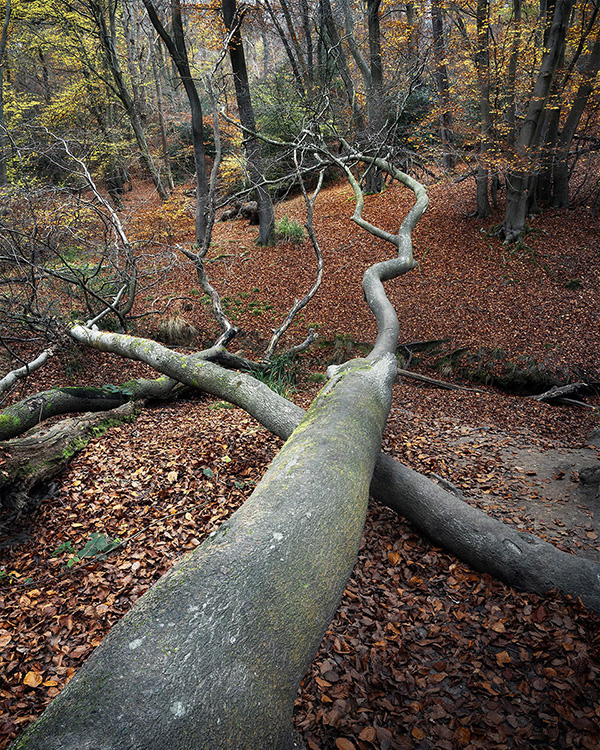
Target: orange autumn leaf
x: 33, y: 679
x: 503, y: 658
x: 344, y: 744
x: 368, y: 734
x: 393, y: 558
x: 417, y: 733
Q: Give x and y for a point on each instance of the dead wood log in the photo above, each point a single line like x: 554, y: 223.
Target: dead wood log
x: 24, y: 415
x: 559, y: 392
x: 491, y: 546
x: 437, y: 383
x: 28, y: 464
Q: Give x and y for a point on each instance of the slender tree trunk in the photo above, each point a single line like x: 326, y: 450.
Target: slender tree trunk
x: 560, y: 197
x: 483, y: 77
x: 129, y: 30
x: 308, y: 42
x: 175, y: 44
x: 246, y: 112
x: 108, y: 41
x: 372, y: 74
x: 375, y: 95
x: 335, y: 49
x: 294, y: 64
x: 511, y: 106
x: 442, y: 82
x: 4, y: 142
x: 161, y: 115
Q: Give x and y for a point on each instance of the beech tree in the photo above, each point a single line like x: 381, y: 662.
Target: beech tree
x: 213, y: 654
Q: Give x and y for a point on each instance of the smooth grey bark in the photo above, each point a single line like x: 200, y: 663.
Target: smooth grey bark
x: 489, y: 545
x: 175, y: 44
x: 22, y: 416
x: 308, y: 41
x: 212, y: 656
x: 237, y: 57
x: 19, y: 373
x: 519, y: 181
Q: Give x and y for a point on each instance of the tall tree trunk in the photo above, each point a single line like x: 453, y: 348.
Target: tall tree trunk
x: 246, y: 113
x: 4, y: 142
x: 519, y: 180
x: 511, y: 84
x: 294, y: 63
x: 483, y: 78
x: 177, y: 49
x: 330, y: 32
x: 308, y: 42
x: 132, y: 47
x: 108, y: 34
x: 161, y: 114
x: 372, y: 74
x: 375, y: 95
x: 560, y: 197
x: 442, y: 82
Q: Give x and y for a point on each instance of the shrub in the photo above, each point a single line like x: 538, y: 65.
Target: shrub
x: 176, y: 331
x: 288, y: 230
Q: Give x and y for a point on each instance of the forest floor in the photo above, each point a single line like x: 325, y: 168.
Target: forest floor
x: 424, y: 653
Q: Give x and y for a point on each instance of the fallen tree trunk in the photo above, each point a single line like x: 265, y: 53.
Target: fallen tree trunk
x: 212, y: 656
x: 30, y: 412
x: 518, y: 558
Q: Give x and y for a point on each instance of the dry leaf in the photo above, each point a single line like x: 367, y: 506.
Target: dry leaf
x: 417, y: 733
x: 343, y: 744
x: 503, y: 658
x: 368, y: 734
x: 33, y: 679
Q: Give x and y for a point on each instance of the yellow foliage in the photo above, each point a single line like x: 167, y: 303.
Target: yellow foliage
x: 233, y: 172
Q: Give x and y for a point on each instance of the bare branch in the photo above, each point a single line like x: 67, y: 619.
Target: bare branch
x: 299, y: 304
x: 22, y: 372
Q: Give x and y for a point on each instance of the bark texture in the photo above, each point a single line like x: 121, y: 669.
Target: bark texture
x: 22, y: 416
x: 214, y: 653
x: 246, y: 113
x: 212, y: 656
